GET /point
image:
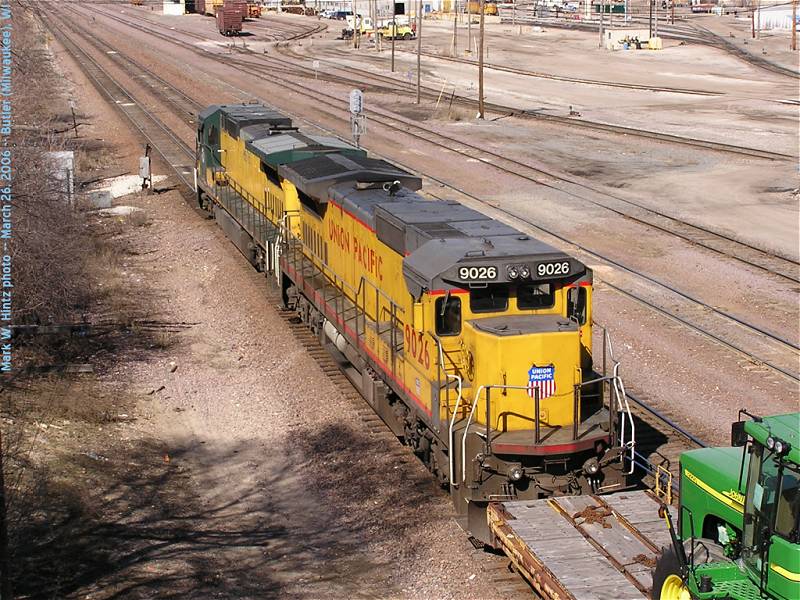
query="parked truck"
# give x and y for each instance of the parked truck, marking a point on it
(399, 31)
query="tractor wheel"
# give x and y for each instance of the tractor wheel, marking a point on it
(667, 582)
(406, 36)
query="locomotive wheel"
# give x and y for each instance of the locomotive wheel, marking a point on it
(667, 583)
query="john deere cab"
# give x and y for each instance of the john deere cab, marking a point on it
(737, 539)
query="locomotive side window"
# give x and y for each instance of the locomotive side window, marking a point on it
(535, 295)
(448, 315)
(492, 298)
(271, 173)
(213, 136)
(576, 304)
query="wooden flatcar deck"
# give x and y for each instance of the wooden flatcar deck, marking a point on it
(583, 547)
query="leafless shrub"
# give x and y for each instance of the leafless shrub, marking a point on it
(49, 243)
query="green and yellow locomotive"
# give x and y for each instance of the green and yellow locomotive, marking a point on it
(472, 340)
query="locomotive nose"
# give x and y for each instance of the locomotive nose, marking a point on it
(534, 360)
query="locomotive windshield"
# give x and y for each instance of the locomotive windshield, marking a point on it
(492, 298)
(448, 315)
(535, 295)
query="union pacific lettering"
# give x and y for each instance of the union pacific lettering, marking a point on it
(339, 236)
(370, 260)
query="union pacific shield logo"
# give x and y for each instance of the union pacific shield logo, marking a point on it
(543, 379)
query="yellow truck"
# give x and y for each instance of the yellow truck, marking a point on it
(399, 31)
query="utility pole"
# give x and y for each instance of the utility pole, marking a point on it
(758, 23)
(394, 33)
(655, 10)
(600, 27)
(375, 34)
(672, 12)
(794, 24)
(356, 26)
(419, 49)
(650, 28)
(514, 16)
(752, 21)
(480, 65)
(455, 28)
(469, 25)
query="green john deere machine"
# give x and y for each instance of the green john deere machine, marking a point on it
(738, 534)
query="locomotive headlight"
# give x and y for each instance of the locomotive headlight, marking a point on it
(591, 467)
(524, 272)
(770, 443)
(515, 473)
(513, 272)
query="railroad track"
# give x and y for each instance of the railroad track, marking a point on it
(554, 77)
(756, 346)
(781, 266)
(502, 109)
(172, 149)
(684, 30)
(391, 85)
(296, 31)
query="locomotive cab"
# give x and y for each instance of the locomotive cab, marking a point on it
(512, 317)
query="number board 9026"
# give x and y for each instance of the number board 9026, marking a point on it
(558, 268)
(488, 273)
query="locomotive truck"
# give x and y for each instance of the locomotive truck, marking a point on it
(470, 339)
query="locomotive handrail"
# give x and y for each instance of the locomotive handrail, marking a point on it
(460, 383)
(618, 389)
(472, 413)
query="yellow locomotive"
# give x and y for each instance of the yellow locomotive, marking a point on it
(472, 340)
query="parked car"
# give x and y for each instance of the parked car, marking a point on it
(341, 15)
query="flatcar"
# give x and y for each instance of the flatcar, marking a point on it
(470, 339)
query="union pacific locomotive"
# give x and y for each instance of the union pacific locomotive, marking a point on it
(471, 340)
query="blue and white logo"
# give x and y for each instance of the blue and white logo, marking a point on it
(543, 379)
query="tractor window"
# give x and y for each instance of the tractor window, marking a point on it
(448, 316)
(576, 304)
(492, 298)
(759, 508)
(787, 517)
(535, 295)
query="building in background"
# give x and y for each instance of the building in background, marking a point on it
(174, 7)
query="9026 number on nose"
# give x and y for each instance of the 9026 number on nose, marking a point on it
(477, 273)
(552, 269)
